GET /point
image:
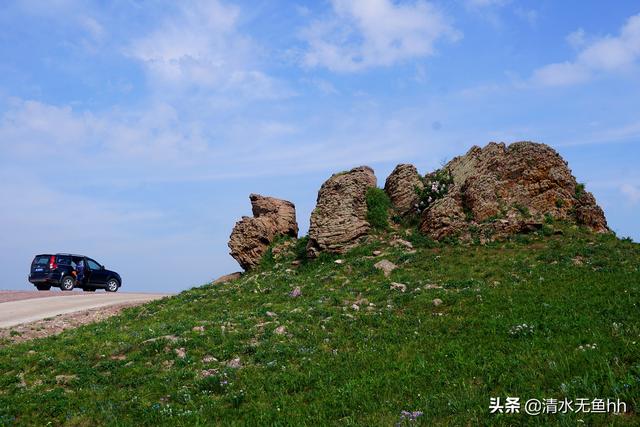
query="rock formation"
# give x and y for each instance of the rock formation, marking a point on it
(251, 236)
(401, 185)
(500, 190)
(340, 216)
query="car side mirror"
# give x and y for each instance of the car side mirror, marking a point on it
(102, 267)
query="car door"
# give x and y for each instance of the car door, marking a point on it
(98, 275)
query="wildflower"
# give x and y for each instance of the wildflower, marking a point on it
(521, 330)
(409, 416)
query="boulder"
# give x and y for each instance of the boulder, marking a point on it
(340, 216)
(401, 187)
(251, 236)
(500, 190)
(227, 278)
(281, 211)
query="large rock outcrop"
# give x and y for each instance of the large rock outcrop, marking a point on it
(251, 236)
(499, 190)
(401, 186)
(340, 216)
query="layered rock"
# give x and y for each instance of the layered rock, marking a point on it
(401, 187)
(281, 211)
(500, 189)
(251, 236)
(340, 216)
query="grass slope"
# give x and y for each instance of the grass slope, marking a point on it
(336, 365)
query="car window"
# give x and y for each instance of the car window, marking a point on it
(64, 260)
(93, 265)
(41, 260)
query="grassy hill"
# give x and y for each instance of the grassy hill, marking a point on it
(539, 316)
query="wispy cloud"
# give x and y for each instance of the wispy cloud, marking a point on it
(202, 47)
(607, 54)
(359, 34)
(631, 192)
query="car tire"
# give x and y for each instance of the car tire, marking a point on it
(43, 287)
(67, 283)
(89, 289)
(112, 285)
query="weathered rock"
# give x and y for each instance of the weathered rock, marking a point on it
(296, 292)
(251, 236)
(65, 379)
(340, 216)
(401, 242)
(386, 266)
(281, 211)
(500, 190)
(589, 213)
(398, 286)
(401, 186)
(227, 278)
(234, 363)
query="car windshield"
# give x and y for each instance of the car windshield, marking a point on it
(41, 260)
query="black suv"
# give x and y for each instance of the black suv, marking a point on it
(59, 270)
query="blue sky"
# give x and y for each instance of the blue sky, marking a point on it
(134, 131)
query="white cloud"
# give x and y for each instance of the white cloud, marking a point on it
(607, 54)
(632, 192)
(93, 27)
(576, 39)
(161, 144)
(362, 34)
(202, 47)
(530, 16)
(561, 74)
(485, 3)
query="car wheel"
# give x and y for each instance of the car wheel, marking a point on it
(112, 285)
(89, 289)
(43, 287)
(67, 283)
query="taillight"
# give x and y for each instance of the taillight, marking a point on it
(52, 263)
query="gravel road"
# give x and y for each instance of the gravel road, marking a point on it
(17, 309)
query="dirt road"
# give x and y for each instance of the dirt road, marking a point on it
(28, 310)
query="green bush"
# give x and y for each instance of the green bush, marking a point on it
(301, 248)
(378, 205)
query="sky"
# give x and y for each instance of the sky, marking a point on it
(134, 131)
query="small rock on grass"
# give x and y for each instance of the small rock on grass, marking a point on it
(376, 253)
(171, 338)
(181, 352)
(386, 266)
(270, 314)
(296, 292)
(209, 359)
(436, 302)
(402, 242)
(399, 286)
(280, 330)
(198, 329)
(234, 363)
(208, 373)
(65, 379)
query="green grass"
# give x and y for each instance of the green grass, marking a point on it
(341, 366)
(378, 205)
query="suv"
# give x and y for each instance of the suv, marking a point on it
(59, 270)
